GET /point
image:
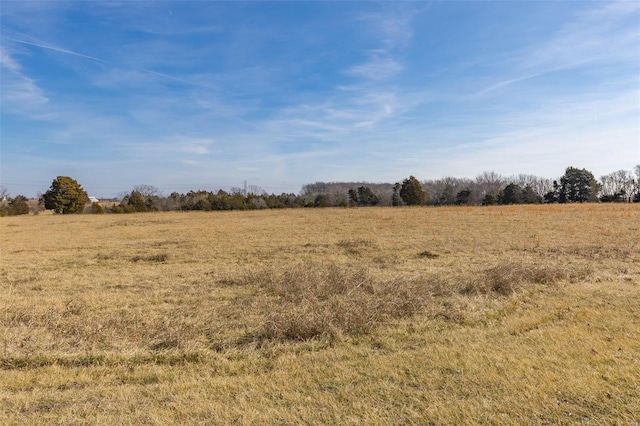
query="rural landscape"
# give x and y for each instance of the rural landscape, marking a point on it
(319, 212)
(523, 314)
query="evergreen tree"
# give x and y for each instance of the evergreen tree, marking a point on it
(489, 200)
(463, 198)
(554, 195)
(511, 194)
(412, 193)
(137, 202)
(578, 186)
(529, 195)
(65, 196)
(353, 197)
(366, 197)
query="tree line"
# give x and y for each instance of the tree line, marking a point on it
(66, 195)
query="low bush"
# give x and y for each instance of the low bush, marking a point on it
(15, 207)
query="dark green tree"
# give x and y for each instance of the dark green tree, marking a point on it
(578, 186)
(65, 196)
(463, 198)
(366, 197)
(353, 197)
(412, 193)
(553, 196)
(489, 200)
(529, 196)
(511, 194)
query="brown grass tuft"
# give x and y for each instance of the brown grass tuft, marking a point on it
(325, 300)
(505, 279)
(428, 254)
(355, 246)
(160, 257)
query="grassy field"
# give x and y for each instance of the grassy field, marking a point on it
(496, 315)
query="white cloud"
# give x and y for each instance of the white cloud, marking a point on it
(602, 32)
(598, 36)
(392, 25)
(20, 93)
(378, 67)
(196, 146)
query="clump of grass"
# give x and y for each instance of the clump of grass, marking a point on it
(101, 360)
(354, 242)
(428, 254)
(354, 245)
(508, 278)
(105, 256)
(160, 257)
(326, 300)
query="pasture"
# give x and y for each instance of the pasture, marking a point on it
(470, 315)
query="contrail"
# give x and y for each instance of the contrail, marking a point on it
(93, 58)
(190, 83)
(58, 49)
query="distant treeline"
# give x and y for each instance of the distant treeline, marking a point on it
(576, 185)
(488, 188)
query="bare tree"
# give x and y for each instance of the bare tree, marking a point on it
(620, 185)
(147, 190)
(256, 190)
(636, 183)
(539, 185)
(490, 182)
(445, 190)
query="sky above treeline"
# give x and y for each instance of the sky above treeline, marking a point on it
(206, 95)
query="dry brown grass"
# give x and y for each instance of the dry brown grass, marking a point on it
(498, 315)
(326, 300)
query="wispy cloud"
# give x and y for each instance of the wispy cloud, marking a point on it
(379, 67)
(20, 94)
(392, 24)
(599, 35)
(602, 32)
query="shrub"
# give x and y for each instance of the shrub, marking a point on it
(96, 208)
(15, 207)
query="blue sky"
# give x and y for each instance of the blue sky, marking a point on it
(205, 95)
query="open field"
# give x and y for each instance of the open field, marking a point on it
(479, 315)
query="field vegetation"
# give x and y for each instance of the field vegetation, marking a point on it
(525, 314)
